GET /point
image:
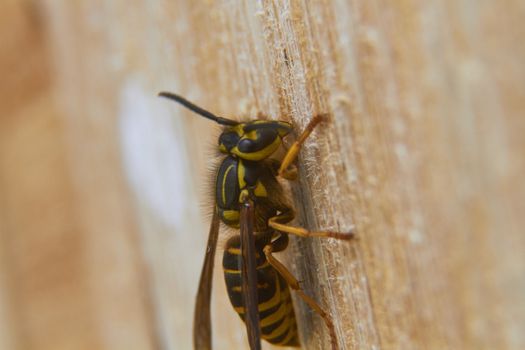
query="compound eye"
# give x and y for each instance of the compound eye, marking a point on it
(257, 140)
(227, 141)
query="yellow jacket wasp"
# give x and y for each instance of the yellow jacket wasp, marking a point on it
(249, 197)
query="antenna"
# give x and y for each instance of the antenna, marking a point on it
(197, 109)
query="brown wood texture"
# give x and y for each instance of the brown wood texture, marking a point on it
(68, 270)
(423, 153)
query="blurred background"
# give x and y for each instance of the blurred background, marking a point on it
(104, 207)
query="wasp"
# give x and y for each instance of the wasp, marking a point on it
(248, 197)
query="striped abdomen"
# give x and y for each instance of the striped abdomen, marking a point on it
(276, 312)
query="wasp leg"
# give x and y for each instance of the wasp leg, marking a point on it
(287, 171)
(279, 223)
(278, 245)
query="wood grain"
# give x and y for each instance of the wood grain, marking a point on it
(422, 153)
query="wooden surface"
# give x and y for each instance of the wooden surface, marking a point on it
(104, 189)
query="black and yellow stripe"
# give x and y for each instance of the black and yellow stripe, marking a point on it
(233, 176)
(276, 312)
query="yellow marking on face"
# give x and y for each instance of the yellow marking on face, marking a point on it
(224, 177)
(232, 272)
(239, 129)
(261, 154)
(250, 135)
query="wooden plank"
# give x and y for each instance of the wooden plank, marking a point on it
(422, 154)
(60, 287)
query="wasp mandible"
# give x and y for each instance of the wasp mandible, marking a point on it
(249, 197)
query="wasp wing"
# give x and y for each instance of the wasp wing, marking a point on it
(249, 275)
(201, 318)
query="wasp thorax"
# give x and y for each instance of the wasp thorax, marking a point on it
(255, 140)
